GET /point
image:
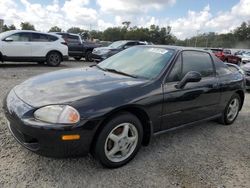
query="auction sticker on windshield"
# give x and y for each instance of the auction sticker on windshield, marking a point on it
(158, 50)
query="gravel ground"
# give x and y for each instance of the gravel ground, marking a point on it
(206, 155)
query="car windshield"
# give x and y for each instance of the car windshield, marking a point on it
(144, 62)
(4, 34)
(117, 44)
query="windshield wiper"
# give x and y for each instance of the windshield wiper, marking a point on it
(120, 72)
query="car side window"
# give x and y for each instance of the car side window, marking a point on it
(176, 72)
(197, 61)
(20, 37)
(37, 37)
(73, 39)
(129, 44)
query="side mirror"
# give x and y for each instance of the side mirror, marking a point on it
(8, 39)
(191, 76)
(125, 47)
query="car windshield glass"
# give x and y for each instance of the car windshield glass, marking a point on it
(117, 44)
(144, 62)
(4, 34)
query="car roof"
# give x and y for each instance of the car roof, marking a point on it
(176, 48)
(8, 33)
(61, 33)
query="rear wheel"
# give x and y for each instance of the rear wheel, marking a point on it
(54, 59)
(119, 141)
(231, 111)
(88, 56)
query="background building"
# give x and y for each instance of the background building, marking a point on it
(1, 25)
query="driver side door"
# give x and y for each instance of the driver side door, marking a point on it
(20, 46)
(197, 100)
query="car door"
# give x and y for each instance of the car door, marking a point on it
(75, 45)
(18, 46)
(197, 100)
(40, 45)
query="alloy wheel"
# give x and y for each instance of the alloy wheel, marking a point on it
(121, 142)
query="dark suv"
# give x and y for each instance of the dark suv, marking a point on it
(102, 53)
(77, 47)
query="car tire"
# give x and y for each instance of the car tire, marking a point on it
(54, 59)
(77, 58)
(231, 111)
(88, 56)
(119, 141)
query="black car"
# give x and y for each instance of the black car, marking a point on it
(101, 53)
(78, 48)
(113, 108)
(246, 69)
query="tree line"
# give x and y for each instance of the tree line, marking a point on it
(238, 38)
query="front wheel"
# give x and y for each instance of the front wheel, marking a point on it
(54, 59)
(88, 56)
(119, 141)
(231, 111)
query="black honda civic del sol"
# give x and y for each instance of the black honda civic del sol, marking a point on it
(113, 108)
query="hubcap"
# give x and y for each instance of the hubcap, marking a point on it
(54, 58)
(121, 142)
(233, 109)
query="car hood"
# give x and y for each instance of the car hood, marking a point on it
(66, 86)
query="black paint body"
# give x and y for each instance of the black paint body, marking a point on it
(97, 95)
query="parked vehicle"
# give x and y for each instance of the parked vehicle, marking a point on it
(113, 108)
(21, 45)
(77, 47)
(102, 53)
(226, 55)
(245, 56)
(237, 68)
(246, 69)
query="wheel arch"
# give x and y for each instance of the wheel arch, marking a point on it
(242, 97)
(55, 51)
(139, 112)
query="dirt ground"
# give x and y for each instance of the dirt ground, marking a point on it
(206, 155)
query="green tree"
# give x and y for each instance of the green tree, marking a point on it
(8, 28)
(75, 30)
(126, 24)
(55, 29)
(27, 26)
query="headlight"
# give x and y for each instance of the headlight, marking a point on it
(104, 52)
(62, 114)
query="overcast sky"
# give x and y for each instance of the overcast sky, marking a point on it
(185, 16)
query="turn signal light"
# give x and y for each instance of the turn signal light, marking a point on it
(71, 137)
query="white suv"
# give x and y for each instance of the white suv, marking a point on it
(21, 45)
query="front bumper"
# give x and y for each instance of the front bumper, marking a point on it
(47, 140)
(98, 58)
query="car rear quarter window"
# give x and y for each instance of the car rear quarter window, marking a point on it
(197, 61)
(52, 38)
